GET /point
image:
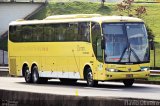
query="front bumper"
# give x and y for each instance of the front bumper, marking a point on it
(126, 75)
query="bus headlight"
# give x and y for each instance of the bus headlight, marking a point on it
(145, 69)
(111, 70)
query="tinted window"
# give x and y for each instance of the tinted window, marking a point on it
(25, 33)
(50, 32)
(37, 33)
(84, 31)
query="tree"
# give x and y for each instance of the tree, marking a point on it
(126, 6)
(140, 11)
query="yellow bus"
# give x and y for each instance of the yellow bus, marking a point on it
(75, 47)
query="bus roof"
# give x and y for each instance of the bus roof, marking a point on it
(78, 18)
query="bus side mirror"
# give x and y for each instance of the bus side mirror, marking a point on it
(151, 43)
(102, 44)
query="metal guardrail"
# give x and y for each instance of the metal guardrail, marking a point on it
(4, 71)
(4, 68)
(155, 72)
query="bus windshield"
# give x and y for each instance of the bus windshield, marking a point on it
(125, 43)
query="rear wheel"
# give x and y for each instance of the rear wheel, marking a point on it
(35, 76)
(89, 78)
(27, 75)
(128, 82)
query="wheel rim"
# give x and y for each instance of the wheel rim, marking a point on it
(90, 78)
(35, 76)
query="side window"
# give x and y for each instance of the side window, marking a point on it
(48, 33)
(96, 40)
(37, 33)
(18, 34)
(72, 32)
(56, 27)
(51, 32)
(21, 33)
(84, 31)
(65, 32)
(12, 33)
(61, 32)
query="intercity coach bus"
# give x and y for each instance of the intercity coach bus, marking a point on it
(75, 47)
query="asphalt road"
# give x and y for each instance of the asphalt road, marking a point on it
(105, 89)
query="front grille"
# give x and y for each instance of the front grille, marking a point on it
(129, 71)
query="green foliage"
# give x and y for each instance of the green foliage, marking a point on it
(126, 6)
(74, 8)
(154, 78)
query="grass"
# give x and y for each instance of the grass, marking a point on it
(53, 8)
(73, 8)
(67, 0)
(145, 0)
(157, 56)
(154, 78)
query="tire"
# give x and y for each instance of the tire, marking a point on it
(36, 78)
(128, 82)
(35, 75)
(27, 75)
(89, 78)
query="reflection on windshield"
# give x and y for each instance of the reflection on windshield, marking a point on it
(126, 42)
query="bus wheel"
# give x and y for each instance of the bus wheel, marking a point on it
(128, 82)
(89, 78)
(35, 75)
(36, 78)
(27, 75)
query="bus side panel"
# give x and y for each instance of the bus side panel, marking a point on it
(61, 62)
(15, 67)
(87, 58)
(12, 66)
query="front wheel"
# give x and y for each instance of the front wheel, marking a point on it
(128, 82)
(89, 78)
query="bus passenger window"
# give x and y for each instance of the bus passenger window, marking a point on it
(12, 32)
(26, 33)
(48, 33)
(84, 31)
(71, 32)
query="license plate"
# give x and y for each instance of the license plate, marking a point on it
(129, 76)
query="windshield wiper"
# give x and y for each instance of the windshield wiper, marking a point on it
(135, 55)
(131, 50)
(123, 54)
